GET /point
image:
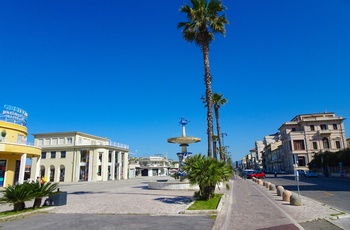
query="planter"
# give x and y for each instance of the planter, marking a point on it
(58, 199)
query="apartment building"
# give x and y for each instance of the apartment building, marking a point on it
(14, 148)
(154, 166)
(77, 156)
(308, 134)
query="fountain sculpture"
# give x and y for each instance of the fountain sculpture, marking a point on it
(184, 141)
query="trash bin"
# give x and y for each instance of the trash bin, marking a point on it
(58, 199)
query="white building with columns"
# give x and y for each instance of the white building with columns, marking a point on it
(77, 156)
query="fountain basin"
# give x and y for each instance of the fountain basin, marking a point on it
(184, 140)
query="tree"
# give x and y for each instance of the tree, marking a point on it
(218, 101)
(207, 172)
(204, 21)
(16, 195)
(42, 190)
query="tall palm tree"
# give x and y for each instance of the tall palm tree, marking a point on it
(218, 101)
(204, 21)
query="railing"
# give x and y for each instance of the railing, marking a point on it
(119, 145)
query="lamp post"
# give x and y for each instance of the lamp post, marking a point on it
(222, 137)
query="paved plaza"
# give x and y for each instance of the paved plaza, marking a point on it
(129, 204)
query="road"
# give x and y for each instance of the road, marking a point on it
(334, 192)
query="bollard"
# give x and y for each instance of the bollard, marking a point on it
(280, 190)
(295, 200)
(268, 184)
(260, 181)
(286, 195)
(272, 187)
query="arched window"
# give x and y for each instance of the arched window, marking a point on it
(52, 173)
(62, 172)
(42, 171)
(325, 143)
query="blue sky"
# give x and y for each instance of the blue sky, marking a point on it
(121, 70)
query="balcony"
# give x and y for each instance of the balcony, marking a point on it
(324, 132)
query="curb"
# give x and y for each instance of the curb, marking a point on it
(25, 213)
(212, 211)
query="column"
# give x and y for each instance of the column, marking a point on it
(35, 168)
(113, 165)
(77, 166)
(125, 165)
(22, 168)
(104, 169)
(119, 163)
(91, 171)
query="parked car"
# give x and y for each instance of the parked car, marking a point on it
(247, 171)
(301, 172)
(256, 175)
(310, 173)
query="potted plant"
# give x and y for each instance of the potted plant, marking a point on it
(3, 134)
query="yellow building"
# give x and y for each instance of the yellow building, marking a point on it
(14, 149)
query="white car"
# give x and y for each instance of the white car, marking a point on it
(311, 174)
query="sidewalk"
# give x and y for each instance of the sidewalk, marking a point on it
(248, 205)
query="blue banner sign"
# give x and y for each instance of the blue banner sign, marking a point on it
(14, 114)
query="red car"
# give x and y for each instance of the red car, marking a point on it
(256, 175)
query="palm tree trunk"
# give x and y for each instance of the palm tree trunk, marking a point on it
(208, 97)
(19, 206)
(216, 109)
(37, 203)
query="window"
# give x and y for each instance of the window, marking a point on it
(335, 126)
(301, 161)
(53, 154)
(325, 143)
(314, 145)
(293, 129)
(69, 140)
(61, 141)
(323, 127)
(83, 156)
(43, 155)
(40, 142)
(63, 154)
(54, 141)
(47, 142)
(312, 127)
(337, 143)
(299, 145)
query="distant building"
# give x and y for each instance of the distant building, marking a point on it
(77, 156)
(14, 148)
(154, 166)
(308, 134)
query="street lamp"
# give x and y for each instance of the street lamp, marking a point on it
(222, 137)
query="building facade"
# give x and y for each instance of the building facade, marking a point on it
(77, 156)
(14, 148)
(308, 134)
(154, 166)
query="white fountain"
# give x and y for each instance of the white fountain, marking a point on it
(184, 142)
